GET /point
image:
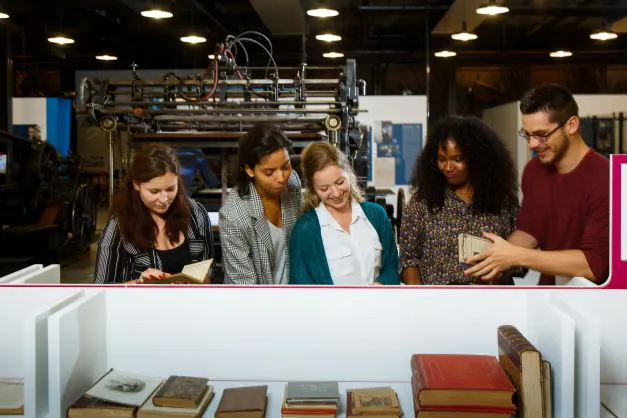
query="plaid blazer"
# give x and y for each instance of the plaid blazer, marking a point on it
(247, 252)
(118, 260)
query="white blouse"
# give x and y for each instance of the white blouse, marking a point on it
(354, 257)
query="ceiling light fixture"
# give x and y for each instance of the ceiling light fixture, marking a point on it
(328, 37)
(561, 54)
(445, 54)
(193, 39)
(60, 40)
(603, 35)
(322, 12)
(157, 14)
(492, 9)
(464, 35)
(4, 15)
(106, 57)
(333, 55)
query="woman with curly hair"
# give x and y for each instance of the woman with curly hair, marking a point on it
(464, 182)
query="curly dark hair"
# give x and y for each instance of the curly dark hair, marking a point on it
(491, 170)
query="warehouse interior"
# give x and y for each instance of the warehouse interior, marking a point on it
(399, 61)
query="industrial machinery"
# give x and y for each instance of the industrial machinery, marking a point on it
(46, 206)
(214, 108)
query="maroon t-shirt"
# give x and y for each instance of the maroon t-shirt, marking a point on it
(569, 211)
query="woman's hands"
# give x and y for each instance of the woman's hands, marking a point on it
(151, 274)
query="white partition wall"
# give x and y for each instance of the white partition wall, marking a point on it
(77, 338)
(552, 332)
(20, 273)
(587, 355)
(48, 275)
(21, 347)
(364, 335)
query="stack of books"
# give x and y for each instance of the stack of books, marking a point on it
(379, 402)
(310, 399)
(121, 394)
(460, 385)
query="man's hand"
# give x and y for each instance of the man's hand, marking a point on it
(491, 263)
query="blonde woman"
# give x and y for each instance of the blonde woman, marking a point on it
(340, 239)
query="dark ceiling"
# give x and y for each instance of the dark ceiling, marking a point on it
(385, 36)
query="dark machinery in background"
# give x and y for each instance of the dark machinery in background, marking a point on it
(213, 109)
(46, 207)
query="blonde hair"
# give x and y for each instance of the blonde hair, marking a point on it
(318, 156)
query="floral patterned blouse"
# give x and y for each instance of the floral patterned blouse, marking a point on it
(428, 241)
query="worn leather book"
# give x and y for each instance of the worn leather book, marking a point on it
(522, 363)
(150, 410)
(181, 392)
(243, 402)
(465, 381)
(88, 407)
(196, 273)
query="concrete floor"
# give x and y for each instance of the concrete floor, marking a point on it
(80, 268)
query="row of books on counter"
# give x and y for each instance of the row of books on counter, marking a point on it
(517, 382)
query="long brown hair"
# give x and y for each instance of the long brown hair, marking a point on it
(133, 217)
(318, 156)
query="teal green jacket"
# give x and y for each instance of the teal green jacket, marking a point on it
(308, 262)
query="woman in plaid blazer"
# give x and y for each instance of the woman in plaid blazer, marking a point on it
(257, 218)
(154, 228)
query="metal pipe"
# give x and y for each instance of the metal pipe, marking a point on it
(261, 82)
(220, 111)
(221, 105)
(237, 119)
(111, 154)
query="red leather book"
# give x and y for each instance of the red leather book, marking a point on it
(461, 380)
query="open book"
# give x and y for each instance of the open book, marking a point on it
(195, 273)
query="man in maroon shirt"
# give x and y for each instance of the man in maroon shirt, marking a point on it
(563, 222)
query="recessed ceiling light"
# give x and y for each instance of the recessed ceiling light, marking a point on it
(106, 57)
(492, 9)
(60, 40)
(603, 35)
(333, 55)
(4, 15)
(322, 12)
(193, 39)
(157, 14)
(328, 37)
(445, 54)
(560, 54)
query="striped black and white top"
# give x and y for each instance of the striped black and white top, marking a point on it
(119, 261)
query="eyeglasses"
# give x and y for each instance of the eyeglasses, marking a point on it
(538, 137)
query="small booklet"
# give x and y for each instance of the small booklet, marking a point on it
(470, 245)
(195, 273)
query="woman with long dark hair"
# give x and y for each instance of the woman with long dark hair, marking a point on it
(464, 182)
(257, 218)
(154, 228)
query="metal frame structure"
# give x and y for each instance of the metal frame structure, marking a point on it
(215, 108)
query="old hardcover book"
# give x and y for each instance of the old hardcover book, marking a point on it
(470, 245)
(461, 380)
(124, 388)
(312, 393)
(243, 402)
(435, 413)
(11, 396)
(88, 407)
(375, 400)
(196, 273)
(522, 363)
(150, 410)
(181, 392)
